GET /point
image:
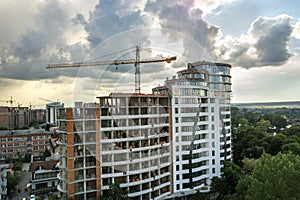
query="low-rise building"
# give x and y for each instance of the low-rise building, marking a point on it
(21, 142)
(44, 176)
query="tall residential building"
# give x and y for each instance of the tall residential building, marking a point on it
(37, 115)
(14, 117)
(79, 142)
(200, 102)
(52, 112)
(157, 146)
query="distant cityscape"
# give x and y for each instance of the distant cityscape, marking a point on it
(283, 104)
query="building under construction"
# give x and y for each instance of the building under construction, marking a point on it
(156, 146)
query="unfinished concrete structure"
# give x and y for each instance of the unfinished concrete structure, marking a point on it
(156, 146)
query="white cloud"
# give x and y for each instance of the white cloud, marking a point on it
(209, 6)
(296, 30)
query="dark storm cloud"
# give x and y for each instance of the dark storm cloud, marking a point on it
(27, 57)
(273, 37)
(199, 36)
(266, 44)
(111, 17)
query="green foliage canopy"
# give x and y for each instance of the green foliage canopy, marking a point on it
(275, 177)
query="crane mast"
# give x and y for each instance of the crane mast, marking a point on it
(137, 61)
(137, 71)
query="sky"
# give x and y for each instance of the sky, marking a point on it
(259, 38)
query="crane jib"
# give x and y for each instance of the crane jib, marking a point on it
(115, 62)
(136, 63)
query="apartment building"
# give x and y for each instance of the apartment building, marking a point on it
(20, 142)
(157, 146)
(79, 143)
(135, 144)
(52, 110)
(130, 139)
(14, 117)
(200, 105)
(37, 115)
(3, 181)
(18, 117)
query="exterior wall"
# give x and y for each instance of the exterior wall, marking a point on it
(44, 180)
(192, 123)
(220, 86)
(135, 144)
(4, 117)
(37, 115)
(79, 162)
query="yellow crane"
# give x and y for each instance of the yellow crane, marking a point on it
(135, 61)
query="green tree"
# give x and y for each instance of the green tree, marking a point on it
(226, 184)
(27, 157)
(3, 128)
(275, 177)
(199, 196)
(276, 120)
(293, 130)
(13, 179)
(248, 165)
(276, 144)
(294, 147)
(247, 141)
(18, 165)
(115, 192)
(263, 125)
(54, 197)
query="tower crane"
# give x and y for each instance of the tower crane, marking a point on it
(48, 100)
(137, 61)
(11, 101)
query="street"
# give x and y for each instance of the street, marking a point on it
(24, 180)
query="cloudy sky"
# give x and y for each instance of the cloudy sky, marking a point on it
(260, 39)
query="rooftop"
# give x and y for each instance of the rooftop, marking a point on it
(8, 133)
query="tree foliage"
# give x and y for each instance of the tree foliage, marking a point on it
(256, 133)
(268, 155)
(269, 178)
(115, 192)
(226, 184)
(13, 179)
(275, 177)
(54, 197)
